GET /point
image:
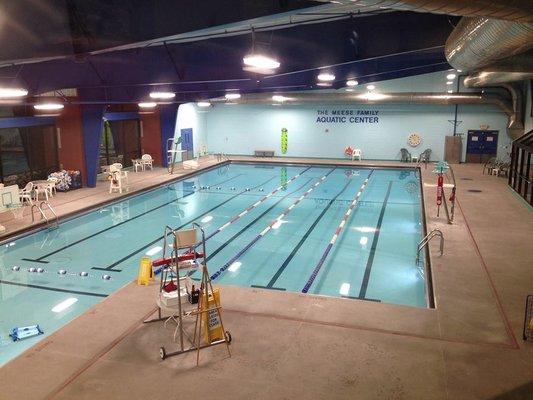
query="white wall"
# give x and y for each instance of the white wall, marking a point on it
(240, 129)
(190, 117)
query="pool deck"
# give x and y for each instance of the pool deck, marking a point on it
(290, 345)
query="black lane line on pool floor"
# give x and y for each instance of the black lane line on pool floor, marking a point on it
(214, 253)
(270, 285)
(111, 267)
(40, 259)
(370, 261)
(52, 289)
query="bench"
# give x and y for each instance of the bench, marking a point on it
(264, 153)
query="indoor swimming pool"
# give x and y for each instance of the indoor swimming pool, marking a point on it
(278, 227)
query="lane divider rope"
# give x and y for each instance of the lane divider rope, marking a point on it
(269, 227)
(257, 203)
(336, 235)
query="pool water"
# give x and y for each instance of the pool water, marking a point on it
(372, 259)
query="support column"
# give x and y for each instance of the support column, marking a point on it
(168, 114)
(92, 125)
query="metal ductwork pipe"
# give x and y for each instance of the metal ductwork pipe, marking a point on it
(494, 78)
(500, 79)
(477, 42)
(509, 10)
(298, 98)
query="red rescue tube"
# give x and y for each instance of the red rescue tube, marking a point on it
(181, 257)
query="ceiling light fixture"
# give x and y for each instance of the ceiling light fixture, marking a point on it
(450, 91)
(48, 106)
(370, 87)
(147, 104)
(260, 61)
(280, 98)
(323, 84)
(450, 76)
(326, 77)
(449, 83)
(162, 95)
(232, 96)
(351, 82)
(13, 92)
(203, 104)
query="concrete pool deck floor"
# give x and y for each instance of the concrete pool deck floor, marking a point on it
(290, 345)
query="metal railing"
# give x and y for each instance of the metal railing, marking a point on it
(520, 170)
(40, 207)
(425, 241)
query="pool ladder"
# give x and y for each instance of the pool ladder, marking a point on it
(425, 241)
(40, 207)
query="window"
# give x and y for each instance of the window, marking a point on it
(121, 142)
(27, 154)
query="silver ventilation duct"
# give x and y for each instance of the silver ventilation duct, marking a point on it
(298, 98)
(494, 78)
(477, 42)
(510, 10)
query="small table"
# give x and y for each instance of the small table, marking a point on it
(414, 158)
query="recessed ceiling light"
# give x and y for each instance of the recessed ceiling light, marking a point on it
(13, 92)
(450, 76)
(260, 61)
(48, 106)
(325, 77)
(449, 83)
(162, 95)
(351, 82)
(147, 104)
(232, 96)
(203, 104)
(370, 87)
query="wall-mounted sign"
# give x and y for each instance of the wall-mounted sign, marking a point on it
(346, 116)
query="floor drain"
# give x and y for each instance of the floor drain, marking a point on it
(475, 190)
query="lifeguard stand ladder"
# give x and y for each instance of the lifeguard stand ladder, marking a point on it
(172, 151)
(182, 240)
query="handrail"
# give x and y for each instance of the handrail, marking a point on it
(43, 214)
(424, 242)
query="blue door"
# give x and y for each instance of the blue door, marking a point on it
(186, 143)
(481, 146)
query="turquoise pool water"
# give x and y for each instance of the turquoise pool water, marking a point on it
(373, 257)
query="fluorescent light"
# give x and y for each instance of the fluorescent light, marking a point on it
(325, 77)
(206, 219)
(277, 97)
(153, 251)
(449, 83)
(370, 87)
(450, 76)
(323, 84)
(203, 104)
(351, 82)
(64, 304)
(363, 241)
(147, 104)
(260, 61)
(162, 95)
(345, 289)
(450, 91)
(48, 106)
(13, 92)
(235, 266)
(232, 96)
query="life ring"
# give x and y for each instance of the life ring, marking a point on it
(348, 151)
(414, 139)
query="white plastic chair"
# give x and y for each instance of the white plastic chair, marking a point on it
(147, 161)
(117, 176)
(357, 153)
(26, 194)
(52, 186)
